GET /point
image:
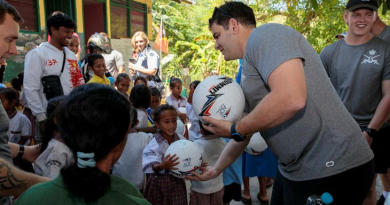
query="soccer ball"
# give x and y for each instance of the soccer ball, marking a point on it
(219, 97)
(180, 128)
(190, 157)
(257, 145)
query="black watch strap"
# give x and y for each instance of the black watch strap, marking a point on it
(235, 135)
(21, 152)
(371, 132)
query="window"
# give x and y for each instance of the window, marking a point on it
(138, 17)
(66, 6)
(127, 17)
(28, 10)
(119, 22)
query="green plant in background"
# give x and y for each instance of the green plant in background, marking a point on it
(191, 43)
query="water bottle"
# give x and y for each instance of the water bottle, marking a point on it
(325, 198)
(387, 202)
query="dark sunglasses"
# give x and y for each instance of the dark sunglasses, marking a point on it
(223, 11)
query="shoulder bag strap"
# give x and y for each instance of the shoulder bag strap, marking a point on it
(63, 63)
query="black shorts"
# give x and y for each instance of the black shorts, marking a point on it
(232, 191)
(380, 146)
(347, 188)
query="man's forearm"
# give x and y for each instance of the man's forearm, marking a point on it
(121, 69)
(230, 153)
(382, 113)
(15, 181)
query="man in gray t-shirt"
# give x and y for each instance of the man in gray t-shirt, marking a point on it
(359, 69)
(295, 107)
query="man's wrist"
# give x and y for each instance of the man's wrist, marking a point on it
(371, 132)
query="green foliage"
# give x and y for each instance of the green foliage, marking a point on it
(190, 40)
(192, 44)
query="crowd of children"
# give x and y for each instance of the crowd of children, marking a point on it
(154, 126)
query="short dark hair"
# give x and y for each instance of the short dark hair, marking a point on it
(140, 96)
(173, 81)
(155, 92)
(120, 77)
(157, 112)
(11, 10)
(59, 20)
(10, 94)
(143, 79)
(134, 117)
(50, 126)
(92, 57)
(195, 83)
(93, 118)
(232, 9)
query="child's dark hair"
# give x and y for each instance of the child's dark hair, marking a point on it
(143, 79)
(59, 20)
(50, 126)
(134, 117)
(173, 81)
(93, 118)
(92, 57)
(120, 77)
(10, 94)
(157, 112)
(140, 96)
(17, 82)
(195, 83)
(155, 92)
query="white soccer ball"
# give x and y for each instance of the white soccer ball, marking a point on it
(190, 157)
(180, 128)
(219, 97)
(257, 145)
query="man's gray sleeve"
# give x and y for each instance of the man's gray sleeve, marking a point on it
(271, 45)
(386, 69)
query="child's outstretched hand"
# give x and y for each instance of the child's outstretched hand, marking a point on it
(169, 162)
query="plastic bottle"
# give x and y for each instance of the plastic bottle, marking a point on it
(325, 198)
(387, 202)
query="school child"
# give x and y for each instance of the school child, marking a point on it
(129, 165)
(17, 84)
(141, 80)
(97, 65)
(175, 99)
(140, 97)
(162, 187)
(194, 130)
(54, 153)
(122, 83)
(74, 45)
(155, 102)
(232, 180)
(19, 125)
(208, 192)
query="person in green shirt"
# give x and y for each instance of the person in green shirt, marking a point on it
(96, 135)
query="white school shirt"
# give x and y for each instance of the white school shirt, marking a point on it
(194, 130)
(19, 125)
(142, 117)
(50, 162)
(44, 61)
(154, 152)
(171, 100)
(211, 150)
(129, 165)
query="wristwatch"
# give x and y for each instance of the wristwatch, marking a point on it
(235, 135)
(371, 132)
